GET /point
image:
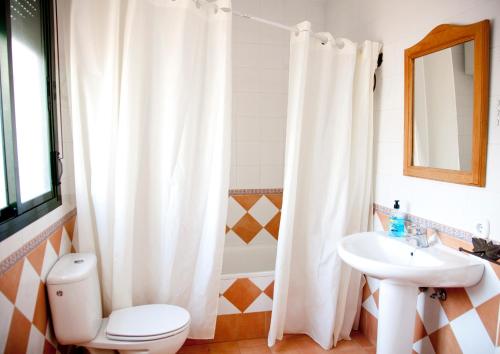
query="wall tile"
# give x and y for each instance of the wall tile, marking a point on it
(25, 325)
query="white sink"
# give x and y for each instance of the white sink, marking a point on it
(402, 269)
(385, 257)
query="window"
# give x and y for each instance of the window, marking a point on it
(29, 165)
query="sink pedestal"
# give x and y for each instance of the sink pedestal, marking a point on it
(396, 318)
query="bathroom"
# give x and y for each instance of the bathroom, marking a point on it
(220, 176)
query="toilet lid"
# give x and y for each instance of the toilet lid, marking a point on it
(146, 321)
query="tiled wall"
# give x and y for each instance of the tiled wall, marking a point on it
(466, 322)
(253, 217)
(399, 25)
(25, 325)
(260, 87)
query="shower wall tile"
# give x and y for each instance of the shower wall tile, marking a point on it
(253, 217)
(25, 325)
(260, 88)
(466, 322)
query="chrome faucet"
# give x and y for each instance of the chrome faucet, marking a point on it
(417, 235)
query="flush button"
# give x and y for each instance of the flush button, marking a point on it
(78, 261)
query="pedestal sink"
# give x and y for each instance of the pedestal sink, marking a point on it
(402, 269)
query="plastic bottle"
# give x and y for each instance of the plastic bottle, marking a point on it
(397, 221)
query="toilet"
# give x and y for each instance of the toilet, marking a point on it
(75, 304)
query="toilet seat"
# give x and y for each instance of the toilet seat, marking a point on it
(146, 323)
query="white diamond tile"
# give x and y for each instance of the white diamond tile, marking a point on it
(371, 306)
(263, 238)
(36, 342)
(471, 334)
(232, 239)
(488, 287)
(423, 346)
(28, 290)
(263, 211)
(234, 212)
(431, 313)
(49, 259)
(261, 303)
(6, 310)
(225, 284)
(262, 282)
(226, 307)
(65, 243)
(373, 284)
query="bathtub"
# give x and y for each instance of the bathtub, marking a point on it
(248, 259)
(247, 281)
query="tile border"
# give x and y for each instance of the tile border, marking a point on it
(255, 191)
(429, 224)
(29, 246)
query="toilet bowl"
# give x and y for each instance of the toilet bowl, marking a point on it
(75, 303)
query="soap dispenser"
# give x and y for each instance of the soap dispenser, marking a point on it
(397, 221)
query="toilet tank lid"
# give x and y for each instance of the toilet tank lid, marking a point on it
(72, 268)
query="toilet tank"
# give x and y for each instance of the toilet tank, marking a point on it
(75, 298)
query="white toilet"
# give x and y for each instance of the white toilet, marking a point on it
(75, 304)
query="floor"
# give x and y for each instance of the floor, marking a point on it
(291, 344)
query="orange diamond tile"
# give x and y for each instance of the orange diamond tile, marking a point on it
(488, 313)
(40, 316)
(247, 228)
(70, 227)
(366, 292)
(55, 240)
(9, 281)
(247, 200)
(36, 257)
(273, 226)
(17, 340)
(276, 199)
(420, 331)
(269, 291)
(457, 303)
(242, 293)
(227, 229)
(384, 220)
(443, 341)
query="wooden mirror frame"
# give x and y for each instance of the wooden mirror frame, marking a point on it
(442, 37)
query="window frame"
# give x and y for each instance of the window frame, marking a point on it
(18, 215)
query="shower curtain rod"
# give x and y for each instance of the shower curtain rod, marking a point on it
(323, 38)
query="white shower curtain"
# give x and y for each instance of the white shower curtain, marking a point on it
(150, 104)
(327, 187)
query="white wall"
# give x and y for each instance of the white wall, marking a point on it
(399, 24)
(260, 86)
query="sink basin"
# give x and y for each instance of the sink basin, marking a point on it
(385, 257)
(402, 269)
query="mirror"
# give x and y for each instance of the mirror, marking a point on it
(446, 96)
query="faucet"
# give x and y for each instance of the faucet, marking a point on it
(418, 235)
